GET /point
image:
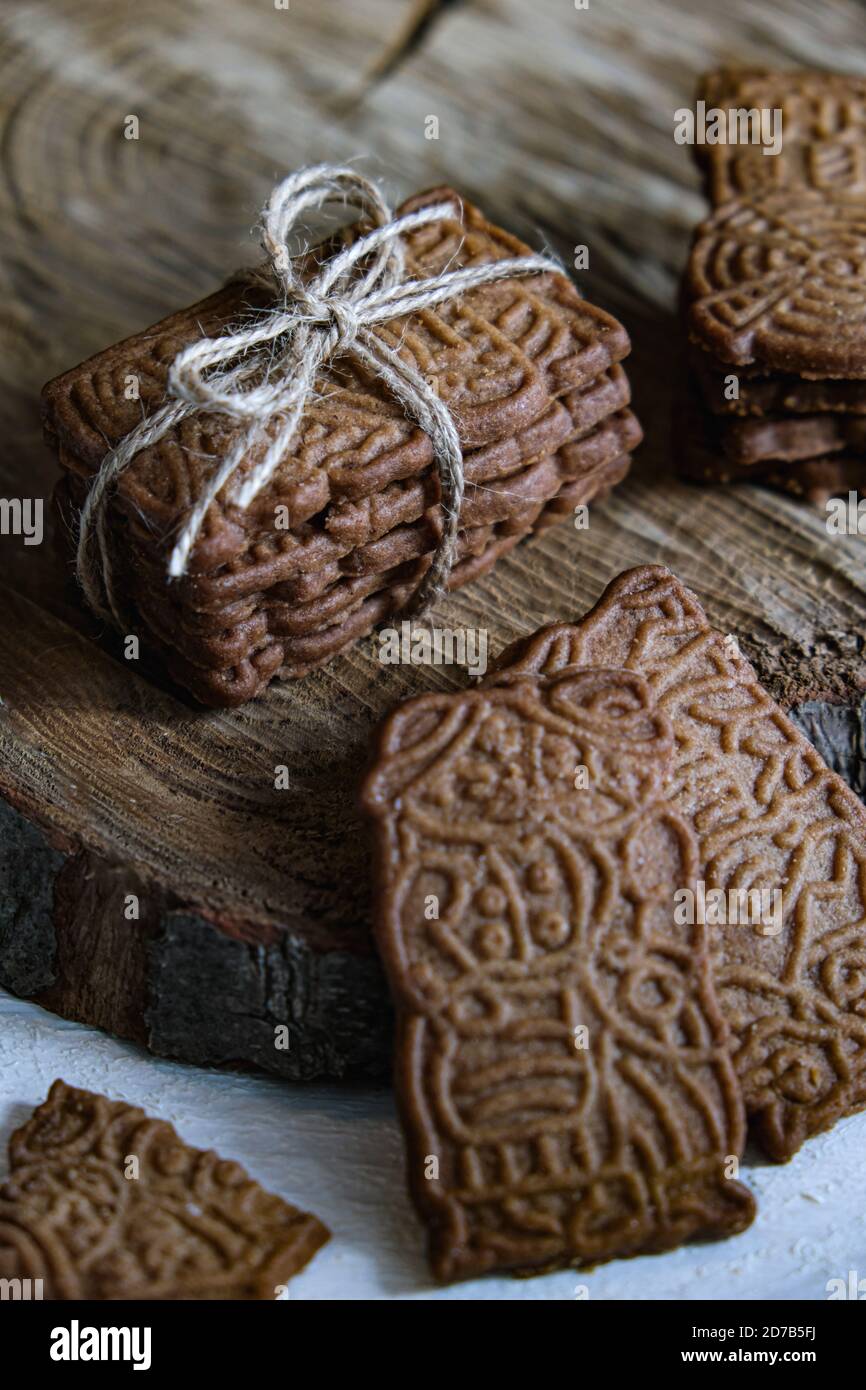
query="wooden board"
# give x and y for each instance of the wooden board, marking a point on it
(253, 902)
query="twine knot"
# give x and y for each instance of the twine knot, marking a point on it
(262, 373)
(337, 317)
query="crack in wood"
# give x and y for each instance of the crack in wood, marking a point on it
(334, 1005)
(839, 734)
(413, 33)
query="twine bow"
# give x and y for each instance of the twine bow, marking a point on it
(264, 372)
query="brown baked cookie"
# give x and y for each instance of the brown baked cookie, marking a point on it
(817, 480)
(497, 357)
(823, 133)
(103, 1202)
(528, 370)
(561, 1069)
(292, 657)
(813, 481)
(376, 538)
(356, 524)
(768, 814)
(591, 418)
(700, 454)
(759, 394)
(754, 442)
(326, 591)
(593, 487)
(780, 284)
(576, 414)
(343, 528)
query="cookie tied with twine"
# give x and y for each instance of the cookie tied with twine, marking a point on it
(262, 374)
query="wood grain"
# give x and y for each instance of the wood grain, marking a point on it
(559, 122)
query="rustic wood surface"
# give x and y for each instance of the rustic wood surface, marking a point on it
(559, 122)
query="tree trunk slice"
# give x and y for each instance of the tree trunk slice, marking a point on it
(253, 901)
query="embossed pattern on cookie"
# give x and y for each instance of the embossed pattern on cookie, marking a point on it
(478, 550)
(561, 1067)
(772, 393)
(782, 284)
(529, 372)
(498, 356)
(823, 133)
(103, 1202)
(769, 814)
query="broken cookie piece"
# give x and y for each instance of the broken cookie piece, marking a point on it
(103, 1202)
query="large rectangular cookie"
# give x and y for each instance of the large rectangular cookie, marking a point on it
(103, 1202)
(561, 1062)
(768, 814)
(823, 133)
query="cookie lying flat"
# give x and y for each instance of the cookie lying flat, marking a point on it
(781, 393)
(305, 491)
(226, 622)
(823, 128)
(188, 1225)
(778, 284)
(332, 558)
(478, 550)
(769, 814)
(324, 552)
(524, 366)
(817, 480)
(561, 1066)
(752, 443)
(813, 481)
(700, 454)
(230, 662)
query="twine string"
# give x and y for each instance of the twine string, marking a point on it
(262, 374)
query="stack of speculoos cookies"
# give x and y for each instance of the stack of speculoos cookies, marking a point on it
(774, 294)
(342, 535)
